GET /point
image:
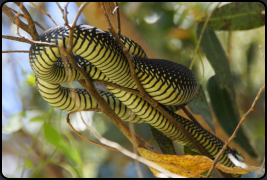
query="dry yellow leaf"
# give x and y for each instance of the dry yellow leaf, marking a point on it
(187, 165)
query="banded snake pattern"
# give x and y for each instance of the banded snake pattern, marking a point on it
(96, 51)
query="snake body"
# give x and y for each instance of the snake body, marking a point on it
(97, 52)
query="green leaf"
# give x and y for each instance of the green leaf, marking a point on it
(163, 141)
(227, 114)
(199, 105)
(37, 119)
(72, 170)
(216, 56)
(55, 138)
(52, 135)
(237, 16)
(30, 80)
(259, 141)
(29, 164)
(74, 151)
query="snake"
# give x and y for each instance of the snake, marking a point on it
(99, 55)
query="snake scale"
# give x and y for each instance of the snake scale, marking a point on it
(97, 52)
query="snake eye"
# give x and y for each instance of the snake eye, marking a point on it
(237, 155)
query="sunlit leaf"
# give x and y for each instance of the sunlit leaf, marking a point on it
(30, 80)
(37, 119)
(188, 165)
(29, 164)
(52, 135)
(237, 16)
(73, 149)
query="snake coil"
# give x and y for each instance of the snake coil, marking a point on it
(97, 52)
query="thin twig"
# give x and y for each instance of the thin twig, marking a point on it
(27, 40)
(117, 9)
(236, 130)
(101, 145)
(78, 13)
(147, 143)
(44, 12)
(17, 18)
(62, 10)
(13, 10)
(16, 51)
(65, 14)
(130, 154)
(38, 24)
(206, 10)
(110, 8)
(9, 12)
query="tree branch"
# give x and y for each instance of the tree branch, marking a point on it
(105, 108)
(117, 9)
(18, 51)
(44, 12)
(31, 25)
(27, 40)
(124, 50)
(132, 155)
(145, 96)
(7, 10)
(101, 145)
(236, 130)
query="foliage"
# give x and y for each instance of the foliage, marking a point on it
(39, 136)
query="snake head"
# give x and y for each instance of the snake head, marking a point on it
(237, 155)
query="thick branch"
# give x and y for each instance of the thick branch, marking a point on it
(12, 17)
(32, 29)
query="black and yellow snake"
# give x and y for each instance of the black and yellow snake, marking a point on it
(98, 53)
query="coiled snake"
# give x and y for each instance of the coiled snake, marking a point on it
(98, 53)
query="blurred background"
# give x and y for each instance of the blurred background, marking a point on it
(165, 30)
